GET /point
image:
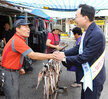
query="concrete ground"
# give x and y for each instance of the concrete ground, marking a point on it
(28, 82)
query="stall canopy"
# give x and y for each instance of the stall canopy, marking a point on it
(6, 10)
(40, 13)
(59, 8)
(59, 14)
(66, 5)
(49, 14)
(102, 13)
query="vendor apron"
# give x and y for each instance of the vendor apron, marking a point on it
(51, 50)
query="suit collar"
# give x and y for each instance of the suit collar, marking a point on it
(90, 28)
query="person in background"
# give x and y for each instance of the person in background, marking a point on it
(12, 58)
(77, 34)
(53, 39)
(69, 34)
(89, 55)
(7, 33)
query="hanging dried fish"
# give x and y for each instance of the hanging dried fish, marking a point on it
(50, 76)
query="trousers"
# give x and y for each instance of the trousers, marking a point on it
(95, 94)
(11, 84)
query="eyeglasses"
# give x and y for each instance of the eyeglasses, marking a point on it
(78, 16)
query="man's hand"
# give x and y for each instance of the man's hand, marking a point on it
(59, 56)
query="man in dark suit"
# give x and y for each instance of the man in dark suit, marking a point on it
(89, 55)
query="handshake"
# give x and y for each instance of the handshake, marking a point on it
(58, 56)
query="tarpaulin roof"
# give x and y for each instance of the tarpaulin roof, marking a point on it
(67, 5)
(102, 13)
(60, 8)
(59, 14)
(8, 10)
(39, 13)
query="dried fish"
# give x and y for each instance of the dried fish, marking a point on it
(50, 75)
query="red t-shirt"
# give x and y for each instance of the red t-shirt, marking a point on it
(51, 37)
(14, 52)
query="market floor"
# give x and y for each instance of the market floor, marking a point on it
(28, 83)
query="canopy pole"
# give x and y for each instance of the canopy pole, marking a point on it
(26, 16)
(26, 21)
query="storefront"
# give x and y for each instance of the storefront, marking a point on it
(100, 23)
(7, 15)
(39, 26)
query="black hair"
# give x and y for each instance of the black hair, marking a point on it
(6, 23)
(88, 11)
(53, 30)
(77, 30)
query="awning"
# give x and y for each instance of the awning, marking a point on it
(59, 14)
(40, 13)
(102, 13)
(6, 10)
(60, 8)
(62, 5)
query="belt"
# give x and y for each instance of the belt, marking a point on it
(11, 70)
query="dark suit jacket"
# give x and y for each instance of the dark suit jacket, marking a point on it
(93, 47)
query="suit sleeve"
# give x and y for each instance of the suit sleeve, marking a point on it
(92, 47)
(72, 51)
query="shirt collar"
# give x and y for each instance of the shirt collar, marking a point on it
(79, 38)
(20, 37)
(91, 26)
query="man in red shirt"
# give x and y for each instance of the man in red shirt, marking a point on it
(12, 58)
